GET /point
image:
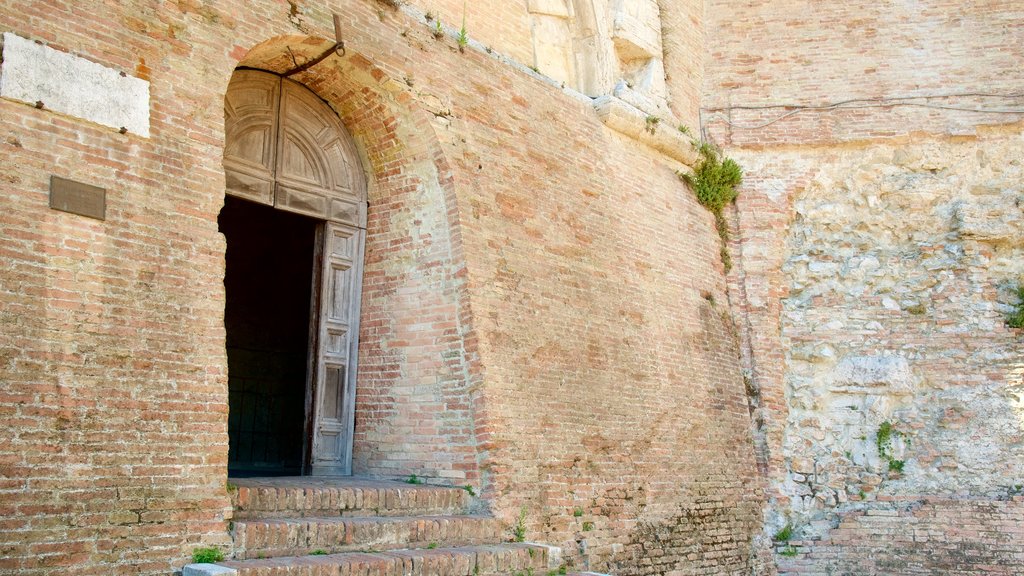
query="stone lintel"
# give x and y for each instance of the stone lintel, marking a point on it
(662, 135)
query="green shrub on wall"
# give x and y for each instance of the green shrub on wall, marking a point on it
(714, 181)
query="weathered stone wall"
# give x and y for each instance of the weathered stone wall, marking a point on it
(878, 250)
(544, 310)
(897, 266)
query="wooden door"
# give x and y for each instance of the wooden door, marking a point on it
(285, 147)
(337, 348)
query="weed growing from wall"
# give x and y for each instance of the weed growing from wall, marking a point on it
(1016, 318)
(714, 181)
(519, 530)
(883, 439)
(651, 124)
(784, 534)
(207, 555)
(463, 38)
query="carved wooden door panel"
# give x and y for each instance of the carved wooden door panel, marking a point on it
(286, 148)
(250, 147)
(337, 348)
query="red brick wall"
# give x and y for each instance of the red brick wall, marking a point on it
(544, 310)
(927, 536)
(793, 53)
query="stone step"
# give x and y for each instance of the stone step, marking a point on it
(502, 559)
(299, 497)
(275, 537)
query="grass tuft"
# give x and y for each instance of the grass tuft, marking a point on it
(207, 555)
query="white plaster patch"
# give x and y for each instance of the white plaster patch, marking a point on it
(72, 85)
(867, 372)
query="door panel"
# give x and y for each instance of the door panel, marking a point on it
(250, 150)
(337, 349)
(315, 160)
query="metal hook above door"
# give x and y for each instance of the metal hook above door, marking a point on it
(338, 48)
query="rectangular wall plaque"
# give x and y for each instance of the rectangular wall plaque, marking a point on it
(78, 198)
(72, 85)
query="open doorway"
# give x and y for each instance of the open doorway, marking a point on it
(270, 264)
(295, 222)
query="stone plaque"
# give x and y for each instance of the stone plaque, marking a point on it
(78, 198)
(72, 85)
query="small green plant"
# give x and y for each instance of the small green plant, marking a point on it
(519, 530)
(469, 489)
(1016, 318)
(685, 130)
(588, 526)
(535, 69)
(651, 124)
(207, 555)
(463, 38)
(318, 552)
(788, 552)
(883, 440)
(432, 546)
(230, 486)
(577, 512)
(413, 479)
(438, 29)
(862, 495)
(784, 533)
(714, 181)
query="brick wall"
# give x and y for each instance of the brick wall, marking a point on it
(791, 53)
(927, 536)
(544, 311)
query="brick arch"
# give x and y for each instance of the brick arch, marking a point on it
(417, 360)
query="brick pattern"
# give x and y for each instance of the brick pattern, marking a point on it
(268, 538)
(480, 560)
(303, 525)
(785, 53)
(927, 536)
(327, 497)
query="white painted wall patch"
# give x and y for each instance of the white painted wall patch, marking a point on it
(72, 85)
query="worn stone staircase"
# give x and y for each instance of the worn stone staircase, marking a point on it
(308, 526)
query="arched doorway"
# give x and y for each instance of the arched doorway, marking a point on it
(295, 221)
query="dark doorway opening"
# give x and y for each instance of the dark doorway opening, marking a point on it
(270, 256)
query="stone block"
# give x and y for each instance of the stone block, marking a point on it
(207, 570)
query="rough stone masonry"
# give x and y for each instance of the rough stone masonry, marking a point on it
(545, 316)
